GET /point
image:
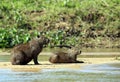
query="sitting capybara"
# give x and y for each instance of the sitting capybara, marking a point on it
(65, 57)
(24, 53)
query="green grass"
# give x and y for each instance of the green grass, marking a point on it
(78, 21)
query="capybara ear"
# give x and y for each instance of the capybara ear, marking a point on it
(38, 36)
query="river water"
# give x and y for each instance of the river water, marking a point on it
(91, 73)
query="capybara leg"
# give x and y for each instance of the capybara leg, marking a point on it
(35, 60)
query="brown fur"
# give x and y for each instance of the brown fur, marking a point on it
(24, 53)
(65, 57)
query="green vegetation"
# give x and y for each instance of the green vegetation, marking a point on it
(88, 23)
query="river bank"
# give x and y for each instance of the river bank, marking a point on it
(47, 65)
(89, 24)
(89, 56)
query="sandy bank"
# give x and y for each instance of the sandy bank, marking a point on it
(47, 65)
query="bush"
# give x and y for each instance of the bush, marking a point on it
(9, 37)
(63, 21)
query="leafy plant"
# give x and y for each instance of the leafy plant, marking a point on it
(89, 19)
(11, 36)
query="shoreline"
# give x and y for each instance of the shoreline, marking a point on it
(83, 53)
(90, 57)
(47, 65)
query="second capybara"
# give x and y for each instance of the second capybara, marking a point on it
(66, 57)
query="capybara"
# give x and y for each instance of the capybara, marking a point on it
(65, 57)
(24, 53)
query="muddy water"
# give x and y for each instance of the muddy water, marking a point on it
(92, 73)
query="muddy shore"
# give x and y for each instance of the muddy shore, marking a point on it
(47, 65)
(89, 58)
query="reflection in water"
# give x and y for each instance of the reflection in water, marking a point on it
(91, 73)
(112, 68)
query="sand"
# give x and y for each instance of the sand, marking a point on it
(47, 65)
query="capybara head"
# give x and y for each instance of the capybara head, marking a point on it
(43, 40)
(78, 52)
(74, 51)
